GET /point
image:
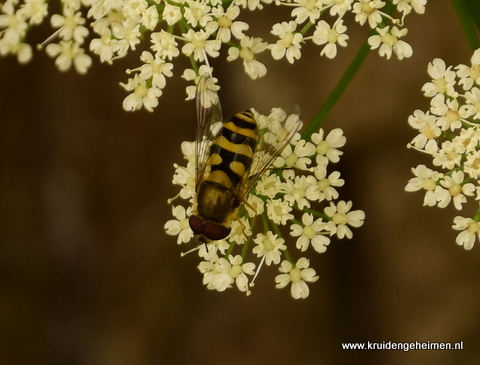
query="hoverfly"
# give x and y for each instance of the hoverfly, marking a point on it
(230, 156)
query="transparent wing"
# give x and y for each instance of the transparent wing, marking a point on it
(274, 134)
(209, 121)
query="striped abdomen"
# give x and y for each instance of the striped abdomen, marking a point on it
(230, 158)
(232, 150)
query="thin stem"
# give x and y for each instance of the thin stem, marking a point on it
(337, 92)
(342, 85)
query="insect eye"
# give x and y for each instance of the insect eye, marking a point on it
(215, 232)
(196, 224)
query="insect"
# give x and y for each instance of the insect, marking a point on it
(230, 156)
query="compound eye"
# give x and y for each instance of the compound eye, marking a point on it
(196, 224)
(215, 232)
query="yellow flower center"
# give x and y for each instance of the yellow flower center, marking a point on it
(323, 147)
(427, 131)
(234, 271)
(224, 22)
(247, 54)
(141, 91)
(309, 232)
(287, 40)
(295, 275)
(291, 160)
(340, 218)
(429, 184)
(455, 189)
(473, 227)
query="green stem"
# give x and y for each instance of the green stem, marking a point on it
(342, 85)
(337, 92)
(465, 12)
(476, 217)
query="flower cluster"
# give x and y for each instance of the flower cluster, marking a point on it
(297, 193)
(197, 29)
(450, 133)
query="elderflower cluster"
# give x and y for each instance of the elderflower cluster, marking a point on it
(450, 133)
(197, 29)
(297, 195)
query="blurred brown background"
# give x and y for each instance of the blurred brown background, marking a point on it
(88, 276)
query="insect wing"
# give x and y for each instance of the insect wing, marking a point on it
(209, 121)
(274, 135)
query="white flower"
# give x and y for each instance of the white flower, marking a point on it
(250, 46)
(290, 41)
(255, 205)
(310, 232)
(241, 231)
(298, 192)
(270, 246)
(469, 228)
(447, 112)
(103, 46)
(71, 25)
(155, 68)
(142, 94)
(128, 33)
(328, 148)
(225, 24)
(426, 179)
(165, 45)
(13, 22)
(278, 211)
(36, 10)
(197, 13)
(191, 75)
(340, 216)
(368, 10)
(406, 6)
(199, 45)
(306, 9)
(443, 79)
(296, 156)
(185, 177)
(472, 164)
(388, 41)
(68, 53)
(325, 185)
(340, 7)
(232, 271)
(250, 4)
(299, 275)
(330, 36)
(455, 188)
(209, 271)
(449, 155)
(470, 75)
(269, 185)
(179, 226)
(429, 130)
(171, 13)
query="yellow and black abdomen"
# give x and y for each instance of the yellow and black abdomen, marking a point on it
(230, 158)
(232, 150)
